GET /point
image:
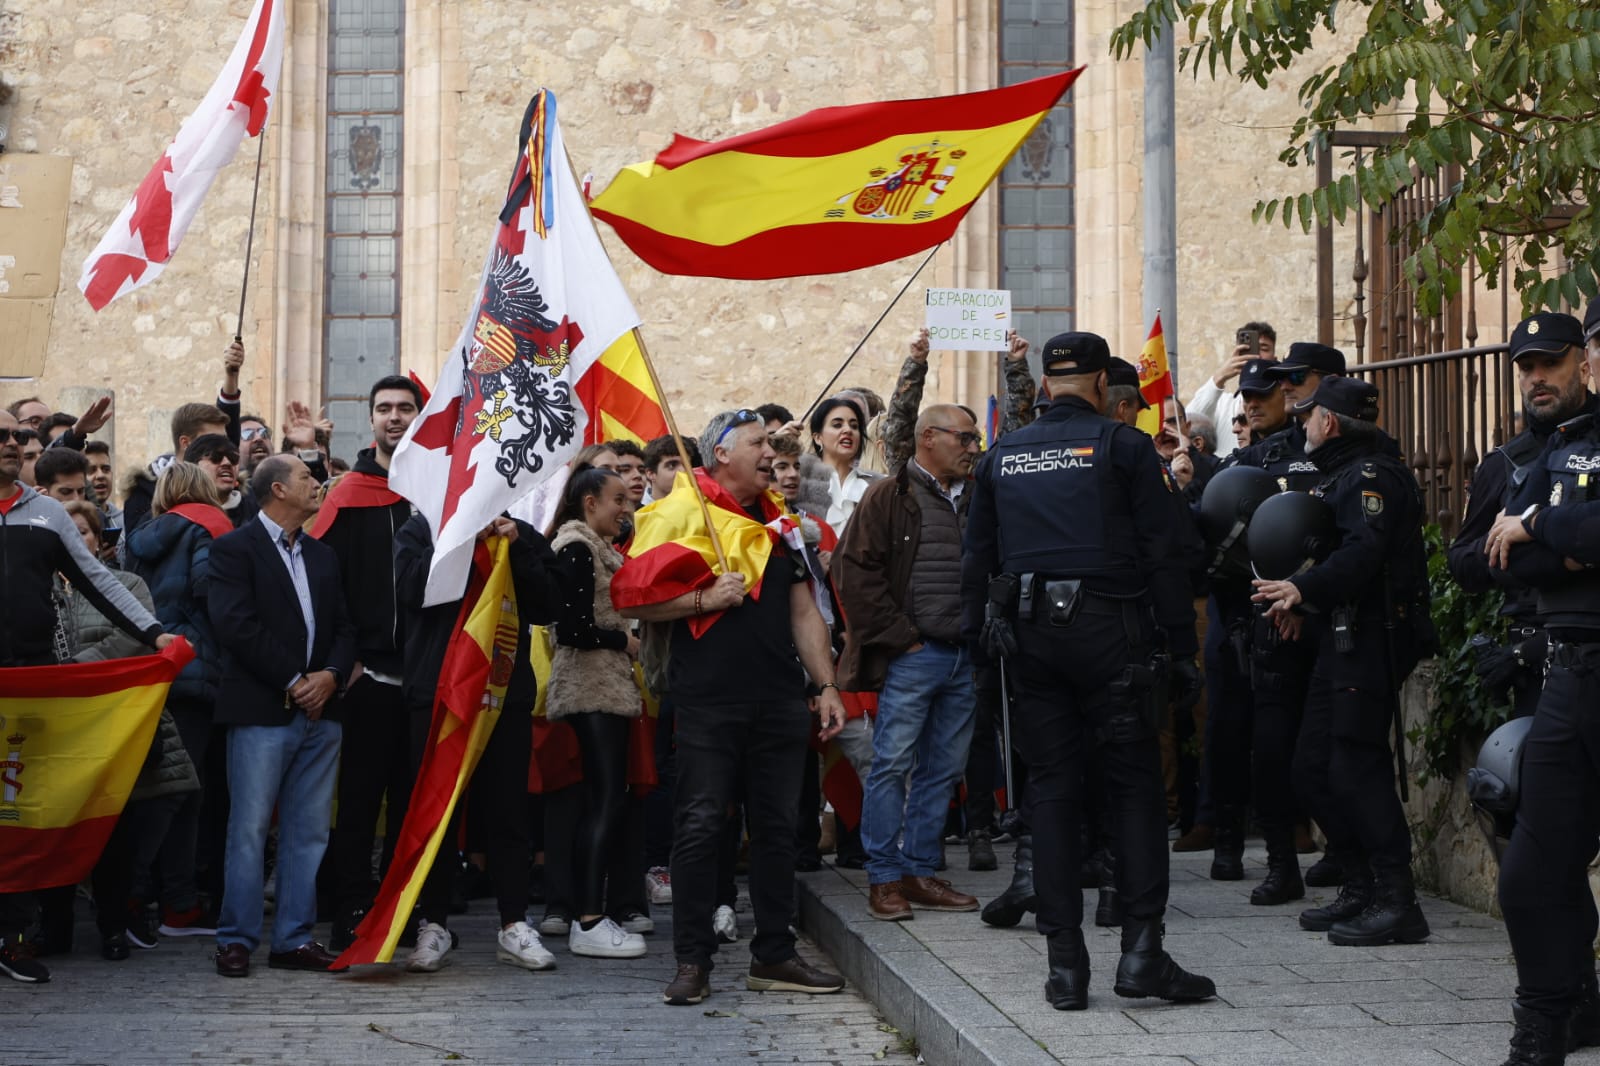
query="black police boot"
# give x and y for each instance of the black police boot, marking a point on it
(1145, 970)
(1393, 916)
(1538, 1040)
(1068, 985)
(1282, 883)
(1007, 909)
(1227, 857)
(1583, 1027)
(1326, 872)
(1355, 895)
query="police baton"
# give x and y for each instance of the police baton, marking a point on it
(1395, 711)
(1005, 736)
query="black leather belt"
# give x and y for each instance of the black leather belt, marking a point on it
(1572, 655)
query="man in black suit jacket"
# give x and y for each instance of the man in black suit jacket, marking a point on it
(288, 648)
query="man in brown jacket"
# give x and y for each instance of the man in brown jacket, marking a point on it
(898, 571)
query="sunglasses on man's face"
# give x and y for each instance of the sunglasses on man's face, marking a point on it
(740, 418)
(1297, 377)
(223, 457)
(21, 436)
(253, 433)
(966, 437)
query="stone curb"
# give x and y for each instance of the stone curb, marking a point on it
(919, 994)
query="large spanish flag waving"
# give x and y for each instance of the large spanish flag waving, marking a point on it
(835, 189)
(620, 397)
(472, 684)
(74, 738)
(1155, 379)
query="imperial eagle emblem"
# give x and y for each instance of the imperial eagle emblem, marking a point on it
(514, 361)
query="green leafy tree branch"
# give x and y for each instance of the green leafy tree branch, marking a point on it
(1501, 95)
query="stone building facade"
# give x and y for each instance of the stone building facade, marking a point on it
(106, 86)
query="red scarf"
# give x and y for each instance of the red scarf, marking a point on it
(354, 489)
(211, 519)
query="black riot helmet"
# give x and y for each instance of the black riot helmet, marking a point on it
(1230, 499)
(1495, 784)
(1289, 534)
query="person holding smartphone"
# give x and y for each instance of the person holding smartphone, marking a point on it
(1214, 399)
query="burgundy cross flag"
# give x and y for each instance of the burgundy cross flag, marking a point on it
(147, 232)
(506, 414)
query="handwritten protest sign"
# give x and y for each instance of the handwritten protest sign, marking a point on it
(969, 320)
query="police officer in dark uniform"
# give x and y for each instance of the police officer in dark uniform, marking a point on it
(1084, 596)
(1547, 539)
(1230, 624)
(1371, 602)
(1550, 377)
(1280, 669)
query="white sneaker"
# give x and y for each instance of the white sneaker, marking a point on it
(607, 940)
(554, 924)
(725, 925)
(521, 946)
(658, 882)
(433, 944)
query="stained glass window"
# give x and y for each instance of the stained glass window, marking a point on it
(361, 290)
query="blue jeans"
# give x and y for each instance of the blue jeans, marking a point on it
(291, 768)
(919, 749)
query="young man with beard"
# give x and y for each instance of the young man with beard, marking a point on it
(359, 519)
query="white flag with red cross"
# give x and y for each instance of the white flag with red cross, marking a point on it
(507, 414)
(141, 241)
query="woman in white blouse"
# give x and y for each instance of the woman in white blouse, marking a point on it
(838, 429)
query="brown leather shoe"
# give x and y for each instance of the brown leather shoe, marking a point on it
(692, 985)
(932, 894)
(233, 960)
(792, 975)
(1198, 838)
(308, 956)
(886, 903)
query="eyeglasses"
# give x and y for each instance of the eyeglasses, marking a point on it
(223, 457)
(966, 437)
(1297, 377)
(21, 436)
(740, 418)
(256, 433)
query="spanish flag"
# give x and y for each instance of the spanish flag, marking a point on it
(619, 396)
(472, 685)
(1155, 379)
(835, 189)
(72, 741)
(671, 551)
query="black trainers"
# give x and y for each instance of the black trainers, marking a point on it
(143, 931)
(980, 851)
(18, 963)
(344, 929)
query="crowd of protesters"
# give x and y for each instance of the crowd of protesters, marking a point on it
(646, 750)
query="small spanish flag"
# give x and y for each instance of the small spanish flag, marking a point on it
(835, 189)
(619, 396)
(72, 741)
(1155, 379)
(472, 684)
(671, 551)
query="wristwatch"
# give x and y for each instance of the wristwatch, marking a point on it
(1527, 518)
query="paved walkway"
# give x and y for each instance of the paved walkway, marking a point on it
(168, 1006)
(972, 994)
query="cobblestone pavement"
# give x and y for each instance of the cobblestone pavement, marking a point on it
(970, 993)
(168, 1006)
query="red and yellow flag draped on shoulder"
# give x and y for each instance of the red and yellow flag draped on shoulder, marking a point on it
(835, 189)
(72, 741)
(472, 685)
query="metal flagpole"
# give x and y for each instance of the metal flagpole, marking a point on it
(860, 344)
(250, 235)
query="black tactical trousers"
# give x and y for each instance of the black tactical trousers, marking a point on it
(1230, 720)
(1280, 680)
(1344, 768)
(1544, 884)
(1071, 708)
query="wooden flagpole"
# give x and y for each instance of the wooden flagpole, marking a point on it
(250, 235)
(655, 383)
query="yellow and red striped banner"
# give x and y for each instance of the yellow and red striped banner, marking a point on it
(72, 741)
(835, 189)
(472, 683)
(619, 396)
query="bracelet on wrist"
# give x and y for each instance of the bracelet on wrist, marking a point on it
(697, 594)
(828, 684)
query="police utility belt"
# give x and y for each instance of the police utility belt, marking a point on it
(1058, 601)
(1573, 655)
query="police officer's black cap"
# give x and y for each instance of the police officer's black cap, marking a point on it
(1549, 332)
(1591, 319)
(1122, 372)
(1256, 376)
(1351, 397)
(1305, 355)
(1075, 353)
